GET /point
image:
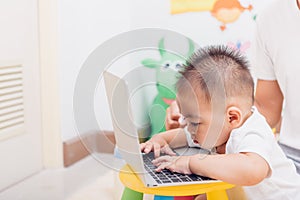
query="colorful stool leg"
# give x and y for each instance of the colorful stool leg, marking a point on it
(129, 194)
(157, 197)
(184, 198)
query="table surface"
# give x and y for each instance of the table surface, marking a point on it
(132, 181)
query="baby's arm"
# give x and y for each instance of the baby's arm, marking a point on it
(242, 169)
(163, 141)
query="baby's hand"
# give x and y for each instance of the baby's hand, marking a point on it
(156, 147)
(178, 164)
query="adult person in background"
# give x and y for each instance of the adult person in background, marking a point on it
(276, 65)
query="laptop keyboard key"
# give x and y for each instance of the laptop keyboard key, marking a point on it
(166, 176)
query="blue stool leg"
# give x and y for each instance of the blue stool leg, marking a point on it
(184, 198)
(129, 194)
(156, 197)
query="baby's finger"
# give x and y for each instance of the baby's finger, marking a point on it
(174, 110)
(171, 124)
(142, 146)
(156, 149)
(161, 159)
(171, 168)
(156, 162)
(172, 116)
(162, 166)
(169, 151)
(148, 147)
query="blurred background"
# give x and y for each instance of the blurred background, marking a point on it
(43, 46)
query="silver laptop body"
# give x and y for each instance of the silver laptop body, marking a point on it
(126, 134)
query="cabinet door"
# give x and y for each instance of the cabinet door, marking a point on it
(20, 107)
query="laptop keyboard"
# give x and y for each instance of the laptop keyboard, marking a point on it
(166, 176)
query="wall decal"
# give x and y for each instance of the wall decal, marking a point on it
(225, 11)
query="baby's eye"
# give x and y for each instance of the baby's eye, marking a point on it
(195, 123)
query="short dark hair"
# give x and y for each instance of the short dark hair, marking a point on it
(215, 69)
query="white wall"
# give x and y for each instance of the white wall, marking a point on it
(83, 25)
(86, 24)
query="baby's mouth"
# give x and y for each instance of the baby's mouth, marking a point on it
(195, 141)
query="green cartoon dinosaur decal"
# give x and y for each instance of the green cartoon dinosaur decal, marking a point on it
(166, 77)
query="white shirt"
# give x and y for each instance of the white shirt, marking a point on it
(276, 56)
(256, 136)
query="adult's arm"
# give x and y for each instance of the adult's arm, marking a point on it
(269, 100)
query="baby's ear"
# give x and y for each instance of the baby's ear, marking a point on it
(234, 116)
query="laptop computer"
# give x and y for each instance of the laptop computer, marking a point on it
(127, 140)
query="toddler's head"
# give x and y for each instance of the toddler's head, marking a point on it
(215, 94)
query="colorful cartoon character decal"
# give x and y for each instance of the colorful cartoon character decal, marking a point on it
(182, 6)
(242, 47)
(225, 11)
(166, 77)
(228, 11)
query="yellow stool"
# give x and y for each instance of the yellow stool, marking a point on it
(134, 186)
